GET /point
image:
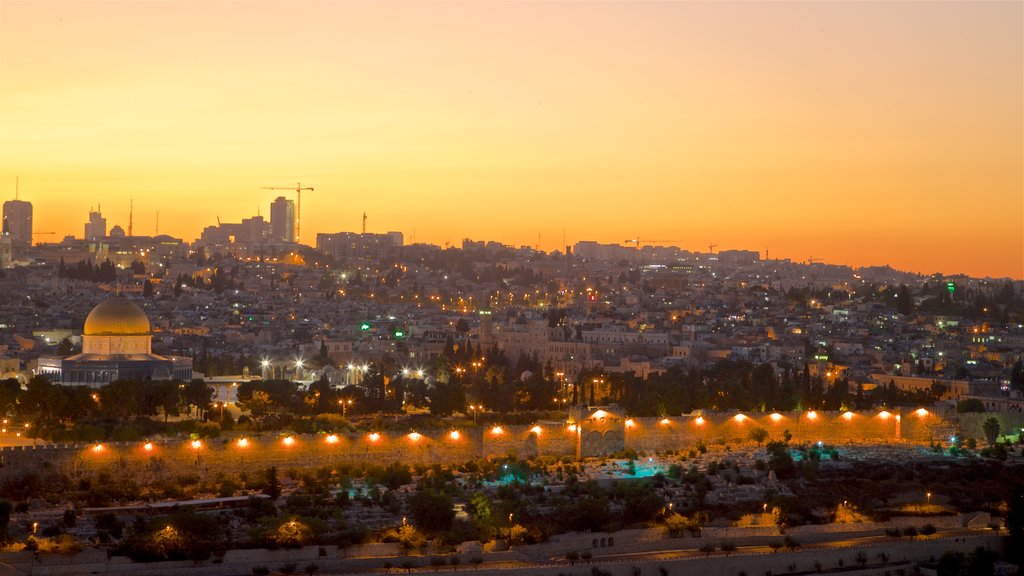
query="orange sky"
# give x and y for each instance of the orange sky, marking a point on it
(855, 132)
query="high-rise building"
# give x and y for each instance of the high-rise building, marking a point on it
(18, 222)
(96, 227)
(282, 220)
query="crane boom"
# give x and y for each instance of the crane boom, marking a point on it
(298, 207)
(639, 241)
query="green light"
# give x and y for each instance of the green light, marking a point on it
(951, 287)
(364, 326)
(399, 334)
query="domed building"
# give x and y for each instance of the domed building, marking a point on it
(116, 345)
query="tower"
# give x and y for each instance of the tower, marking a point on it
(96, 227)
(282, 220)
(17, 222)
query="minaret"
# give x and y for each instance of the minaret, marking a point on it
(131, 211)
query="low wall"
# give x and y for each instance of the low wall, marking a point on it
(167, 459)
(900, 555)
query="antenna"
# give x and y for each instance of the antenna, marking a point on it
(364, 222)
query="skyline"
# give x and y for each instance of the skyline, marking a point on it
(855, 133)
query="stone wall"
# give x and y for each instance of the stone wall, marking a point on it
(598, 432)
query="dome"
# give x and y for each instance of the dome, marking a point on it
(116, 316)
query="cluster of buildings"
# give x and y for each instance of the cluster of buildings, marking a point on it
(641, 309)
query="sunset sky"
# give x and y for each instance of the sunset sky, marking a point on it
(855, 132)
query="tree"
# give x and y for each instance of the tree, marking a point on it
(572, 556)
(991, 429)
(273, 486)
(904, 301)
(1017, 375)
(431, 509)
(120, 399)
(780, 460)
(1015, 521)
(758, 435)
(10, 392)
(970, 405)
(65, 348)
(5, 518)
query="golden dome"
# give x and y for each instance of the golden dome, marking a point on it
(116, 316)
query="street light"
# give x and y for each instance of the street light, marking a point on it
(345, 403)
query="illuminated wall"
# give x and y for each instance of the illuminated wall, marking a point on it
(600, 431)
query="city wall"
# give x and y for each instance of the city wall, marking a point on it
(591, 432)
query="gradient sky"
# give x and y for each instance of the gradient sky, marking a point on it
(855, 132)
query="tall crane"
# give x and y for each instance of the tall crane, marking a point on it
(639, 241)
(711, 248)
(298, 207)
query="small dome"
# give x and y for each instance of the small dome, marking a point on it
(116, 316)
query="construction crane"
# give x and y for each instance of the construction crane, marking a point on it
(711, 248)
(639, 241)
(298, 206)
(38, 233)
(813, 260)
